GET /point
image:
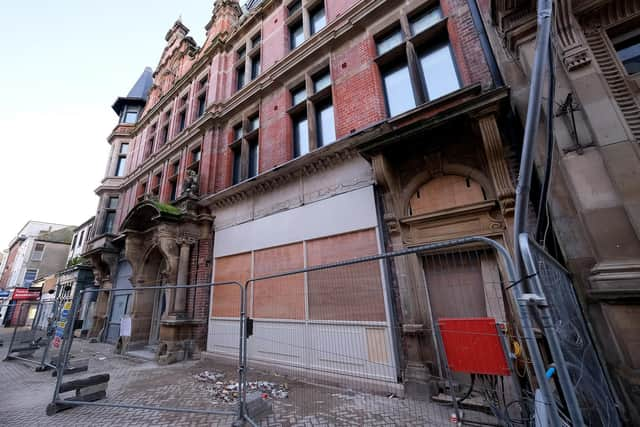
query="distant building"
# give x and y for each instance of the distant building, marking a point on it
(39, 249)
(79, 240)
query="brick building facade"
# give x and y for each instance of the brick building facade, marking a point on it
(301, 133)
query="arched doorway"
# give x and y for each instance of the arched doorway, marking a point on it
(148, 302)
(121, 301)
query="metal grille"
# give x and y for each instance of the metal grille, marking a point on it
(594, 394)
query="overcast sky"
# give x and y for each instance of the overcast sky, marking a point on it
(62, 65)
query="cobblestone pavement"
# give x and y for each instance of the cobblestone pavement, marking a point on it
(24, 395)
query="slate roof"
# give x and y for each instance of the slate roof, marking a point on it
(138, 93)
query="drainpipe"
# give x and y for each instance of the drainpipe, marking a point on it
(489, 57)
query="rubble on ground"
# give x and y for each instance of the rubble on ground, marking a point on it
(228, 391)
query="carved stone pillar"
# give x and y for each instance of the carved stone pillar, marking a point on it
(499, 171)
(180, 301)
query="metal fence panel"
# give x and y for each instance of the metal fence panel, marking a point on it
(131, 374)
(594, 394)
(321, 346)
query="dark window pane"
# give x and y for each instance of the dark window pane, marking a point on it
(254, 123)
(124, 148)
(239, 78)
(300, 137)
(196, 155)
(389, 41)
(241, 53)
(255, 41)
(165, 134)
(398, 92)
(182, 119)
(253, 158)
(174, 168)
(237, 161)
(201, 105)
(29, 276)
(108, 222)
(326, 126)
(255, 66)
(424, 20)
(173, 189)
(294, 6)
(121, 166)
(629, 53)
(298, 95)
(439, 71)
(113, 203)
(237, 132)
(321, 81)
(131, 117)
(296, 35)
(318, 20)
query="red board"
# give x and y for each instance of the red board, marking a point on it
(473, 345)
(25, 294)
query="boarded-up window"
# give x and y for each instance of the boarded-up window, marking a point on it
(346, 293)
(226, 298)
(445, 192)
(281, 297)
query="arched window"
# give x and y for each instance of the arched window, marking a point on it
(445, 192)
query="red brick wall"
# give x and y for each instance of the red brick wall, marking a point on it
(198, 298)
(276, 145)
(466, 43)
(275, 37)
(357, 87)
(335, 8)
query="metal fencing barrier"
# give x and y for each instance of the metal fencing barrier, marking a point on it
(592, 388)
(159, 325)
(322, 341)
(33, 339)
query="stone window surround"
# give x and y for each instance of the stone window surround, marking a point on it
(411, 43)
(172, 176)
(302, 14)
(308, 105)
(105, 210)
(120, 155)
(36, 252)
(245, 62)
(247, 137)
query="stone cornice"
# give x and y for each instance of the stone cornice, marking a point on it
(316, 161)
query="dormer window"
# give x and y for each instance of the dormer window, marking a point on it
(129, 114)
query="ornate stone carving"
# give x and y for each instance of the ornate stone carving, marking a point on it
(191, 185)
(573, 52)
(492, 143)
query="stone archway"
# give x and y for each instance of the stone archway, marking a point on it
(148, 302)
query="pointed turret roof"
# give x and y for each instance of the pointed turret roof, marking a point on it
(138, 93)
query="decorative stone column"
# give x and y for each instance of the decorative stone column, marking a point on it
(498, 168)
(179, 303)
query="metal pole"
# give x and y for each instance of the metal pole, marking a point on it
(51, 330)
(13, 338)
(531, 125)
(546, 319)
(454, 400)
(63, 355)
(241, 347)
